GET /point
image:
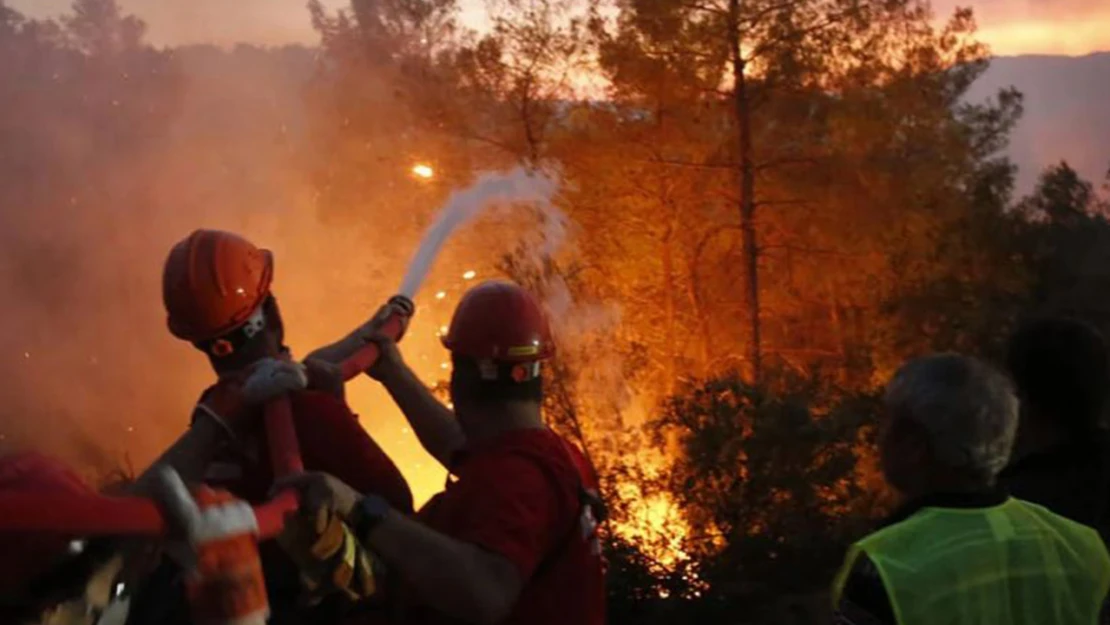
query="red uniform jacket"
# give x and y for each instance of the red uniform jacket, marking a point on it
(521, 496)
(332, 441)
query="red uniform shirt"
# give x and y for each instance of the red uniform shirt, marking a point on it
(332, 441)
(519, 496)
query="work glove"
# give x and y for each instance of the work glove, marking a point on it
(389, 360)
(329, 556)
(232, 403)
(272, 377)
(391, 308)
(216, 542)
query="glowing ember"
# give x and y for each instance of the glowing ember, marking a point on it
(441, 295)
(469, 275)
(423, 171)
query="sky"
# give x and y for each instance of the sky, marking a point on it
(1072, 27)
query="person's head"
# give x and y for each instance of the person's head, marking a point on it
(1060, 367)
(949, 425)
(53, 580)
(216, 289)
(498, 337)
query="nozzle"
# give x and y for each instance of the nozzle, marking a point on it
(404, 303)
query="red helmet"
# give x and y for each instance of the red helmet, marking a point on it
(212, 283)
(500, 321)
(27, 556)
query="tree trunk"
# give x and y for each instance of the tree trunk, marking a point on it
(742, 105)
(671, 331)
(693, 292)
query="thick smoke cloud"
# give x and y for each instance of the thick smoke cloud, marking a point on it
(106, 161)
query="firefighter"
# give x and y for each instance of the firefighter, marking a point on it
(1061, 459)
(513, 538)
(216, 289)
(55, 580)
(959, 550)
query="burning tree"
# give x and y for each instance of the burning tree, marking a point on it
(766, 477)
(780, 139)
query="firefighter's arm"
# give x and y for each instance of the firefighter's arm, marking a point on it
(189, 456)
(434, 424)
(456, 578)
(344, 348)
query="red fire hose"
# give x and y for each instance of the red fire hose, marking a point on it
(107, 516)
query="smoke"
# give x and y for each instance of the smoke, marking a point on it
(103, 170)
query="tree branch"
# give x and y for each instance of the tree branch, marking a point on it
(787, 160)
(707, 8)
(796, 35)
(758, 16)
(686, 164)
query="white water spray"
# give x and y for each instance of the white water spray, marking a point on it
(464, 205)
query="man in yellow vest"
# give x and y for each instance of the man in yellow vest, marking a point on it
(960, 551)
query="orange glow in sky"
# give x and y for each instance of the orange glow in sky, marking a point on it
(1011, 27)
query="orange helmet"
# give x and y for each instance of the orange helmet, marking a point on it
(213, 282)
(500, 321)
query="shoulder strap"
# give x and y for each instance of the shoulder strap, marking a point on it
(587, 499)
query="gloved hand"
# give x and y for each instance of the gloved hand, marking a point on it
(232, 401)
(272, 377)
(390, 309)
(328, 555)
(217, 545)
(389, 360)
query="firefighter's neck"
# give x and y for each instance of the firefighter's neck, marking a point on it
(495, 419)
(943, 481)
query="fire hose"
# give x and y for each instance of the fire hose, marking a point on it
(138, 516)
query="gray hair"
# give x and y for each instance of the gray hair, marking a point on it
(968, 408)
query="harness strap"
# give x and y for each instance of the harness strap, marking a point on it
(587, 500)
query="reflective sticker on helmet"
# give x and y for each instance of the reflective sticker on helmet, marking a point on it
(520, 373)
(524, 350)
(525, 371)
(221, 348)
(487, 369)
(255, 324)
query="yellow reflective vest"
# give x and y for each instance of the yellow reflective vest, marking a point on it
(1011, 564)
